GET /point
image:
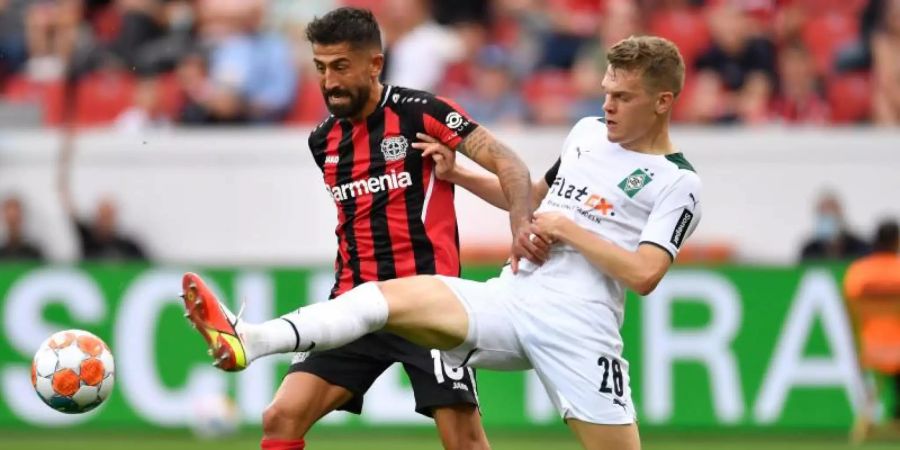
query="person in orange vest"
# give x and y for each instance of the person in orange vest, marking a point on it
(872, 288)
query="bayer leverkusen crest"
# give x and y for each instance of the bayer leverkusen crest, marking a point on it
(394, 148)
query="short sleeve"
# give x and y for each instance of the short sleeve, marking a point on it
(583, 126)
(550, 176)
(674, 216)
(446, 121)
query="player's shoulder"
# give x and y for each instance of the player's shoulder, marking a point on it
(682, 172)
(319, 134)
(589, 126)
(403, 99)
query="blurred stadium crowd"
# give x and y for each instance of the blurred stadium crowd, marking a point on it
(150, 63)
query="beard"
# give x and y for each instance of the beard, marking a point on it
(354, 103)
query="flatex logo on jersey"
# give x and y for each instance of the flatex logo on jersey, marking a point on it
(589, 205)
(369, 186)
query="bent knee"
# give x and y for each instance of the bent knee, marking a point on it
(284, 421)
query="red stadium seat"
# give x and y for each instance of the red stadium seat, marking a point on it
(825, 34)
(686, 28)
(372, 5)
(49, 94)
(20, 88)
(850, 97)
(102, 96)
(548, 83)
(171, 96)
(309, 107)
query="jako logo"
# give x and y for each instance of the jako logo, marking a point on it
(369, 186)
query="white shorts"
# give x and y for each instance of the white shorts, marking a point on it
(573, 345)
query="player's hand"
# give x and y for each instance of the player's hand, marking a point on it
(444, 157)
(542, 243)
(527, 244)
(552, 226)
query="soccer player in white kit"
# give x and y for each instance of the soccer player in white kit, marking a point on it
(617, 207)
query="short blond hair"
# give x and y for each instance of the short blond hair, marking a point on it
(658, 59)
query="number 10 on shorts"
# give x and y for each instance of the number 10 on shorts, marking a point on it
(440, 368)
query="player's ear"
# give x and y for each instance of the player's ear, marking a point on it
(664, 102)
(376, 65)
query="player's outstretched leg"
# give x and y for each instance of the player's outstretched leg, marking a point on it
(421, 309)
(215, 323)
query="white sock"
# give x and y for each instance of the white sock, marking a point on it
(320, 326)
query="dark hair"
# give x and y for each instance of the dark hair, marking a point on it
(355, 26)
(887, 236)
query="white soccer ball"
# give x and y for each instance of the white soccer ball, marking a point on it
(214, 416)
(73, 371)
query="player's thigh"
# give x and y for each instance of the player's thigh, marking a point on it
(606, 437)
(492, 341)
(424, 310)
(577, 354)
(302, 399)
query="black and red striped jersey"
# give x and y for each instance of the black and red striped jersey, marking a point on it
(395, 218)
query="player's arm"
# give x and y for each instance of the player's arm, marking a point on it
(449, 125)
(673, 218)
(486, 186)
(511, 173)
(639, 270)
(515, 183)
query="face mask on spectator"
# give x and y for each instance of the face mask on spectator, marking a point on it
(827, 226)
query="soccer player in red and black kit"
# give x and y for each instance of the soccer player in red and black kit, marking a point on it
(395, 219)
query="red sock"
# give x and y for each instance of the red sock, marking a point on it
(282, 444)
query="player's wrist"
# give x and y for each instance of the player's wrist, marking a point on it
(456, 175)
(566, 231)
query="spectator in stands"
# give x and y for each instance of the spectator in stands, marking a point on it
(54, 31)
(572, 24)
(155, 34)
(494, 98)
(831, 239)
(800, 98)
(858, 55)
(621, 20)
(739, 65)
(886, 67)
(872, 287)
(248, 75)
(142, 21)
(418, 50)
(12, 37)
(99, 239)
(461, 11)
(16, 247)
(146, 112)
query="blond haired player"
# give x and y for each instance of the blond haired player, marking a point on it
(617, 207)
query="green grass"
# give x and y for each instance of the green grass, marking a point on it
(415, 441)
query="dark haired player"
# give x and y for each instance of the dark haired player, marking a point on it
(395, 219)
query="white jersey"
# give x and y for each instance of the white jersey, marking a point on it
(623, 196)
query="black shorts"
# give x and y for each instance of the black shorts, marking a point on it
(356, 365)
